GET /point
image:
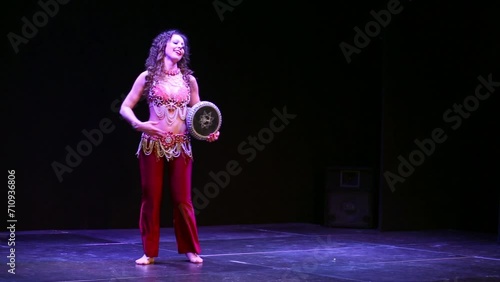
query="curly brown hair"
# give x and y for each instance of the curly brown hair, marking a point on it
(154, 62)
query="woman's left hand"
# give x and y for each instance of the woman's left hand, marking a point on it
(213, 136)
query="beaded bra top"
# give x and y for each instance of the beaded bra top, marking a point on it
(169, 97)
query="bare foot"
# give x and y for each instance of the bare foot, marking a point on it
(194, 258)
(145, 260)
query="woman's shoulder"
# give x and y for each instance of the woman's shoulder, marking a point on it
(192, 81)
(142, 76)
(192, 78)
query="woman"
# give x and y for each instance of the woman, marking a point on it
(169, 88)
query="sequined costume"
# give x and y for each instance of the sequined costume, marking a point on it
(168, 98)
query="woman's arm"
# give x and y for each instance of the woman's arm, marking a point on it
(195, 94)
(195, 98)
(133, 97)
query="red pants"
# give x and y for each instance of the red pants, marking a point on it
(186, 232)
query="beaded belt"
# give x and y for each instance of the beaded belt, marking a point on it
(170, 146)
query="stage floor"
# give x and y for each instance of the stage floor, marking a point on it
(269, 252)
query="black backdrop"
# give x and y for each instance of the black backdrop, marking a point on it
(279, 76)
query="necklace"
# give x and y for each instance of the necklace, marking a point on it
(172, 73)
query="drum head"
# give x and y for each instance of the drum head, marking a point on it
(203, 119)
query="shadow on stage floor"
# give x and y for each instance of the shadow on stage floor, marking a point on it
(270, 252)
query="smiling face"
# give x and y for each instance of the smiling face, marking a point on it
(174, 50)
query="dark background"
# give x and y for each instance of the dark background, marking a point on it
(252, 60)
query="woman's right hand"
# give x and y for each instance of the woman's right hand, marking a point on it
(150, 128)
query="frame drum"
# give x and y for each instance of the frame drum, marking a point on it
(203, 119)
